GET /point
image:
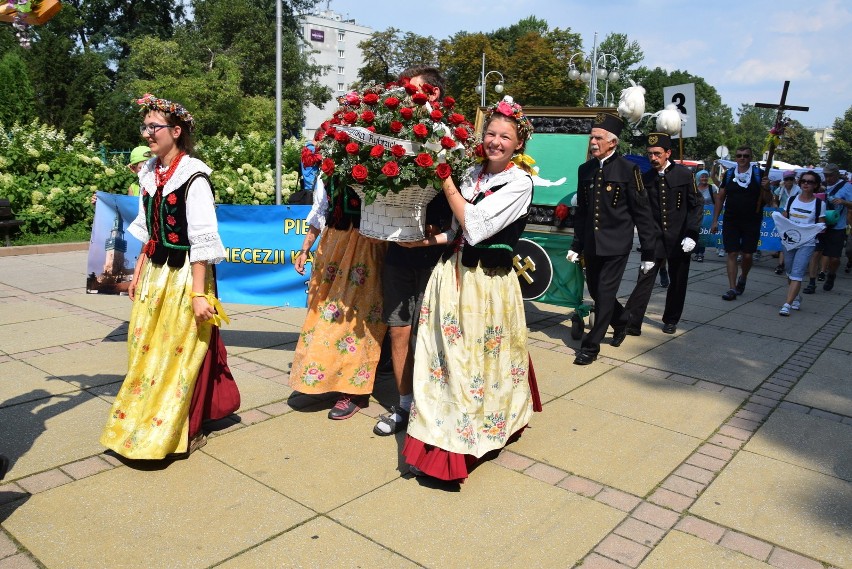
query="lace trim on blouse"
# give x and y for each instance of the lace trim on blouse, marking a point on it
(206, 247)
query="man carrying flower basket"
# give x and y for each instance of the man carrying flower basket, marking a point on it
(406, 273)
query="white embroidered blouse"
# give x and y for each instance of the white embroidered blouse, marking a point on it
(202, 226)
(498, 210)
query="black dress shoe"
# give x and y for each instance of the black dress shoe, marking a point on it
(633, 332)
(669, 328)
(584, 358)
(618, 337)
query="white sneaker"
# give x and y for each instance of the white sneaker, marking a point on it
(797, 304)
(785, 310)
(720, 252)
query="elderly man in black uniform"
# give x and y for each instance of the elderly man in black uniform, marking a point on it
(611, 201)
(678, 208)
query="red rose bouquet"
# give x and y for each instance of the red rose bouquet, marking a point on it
(390, 137)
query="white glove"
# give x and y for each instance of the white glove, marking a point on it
(573, 256)
(646, 266)
(687, 244)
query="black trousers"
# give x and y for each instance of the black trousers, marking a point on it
(603, 277)
(637, 304)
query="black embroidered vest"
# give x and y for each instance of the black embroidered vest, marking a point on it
(498, 250)
(344, 208)
(167, 225)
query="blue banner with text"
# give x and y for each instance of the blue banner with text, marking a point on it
(261, 244)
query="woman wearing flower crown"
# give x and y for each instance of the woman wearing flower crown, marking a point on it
(472, 391)
(178, 374)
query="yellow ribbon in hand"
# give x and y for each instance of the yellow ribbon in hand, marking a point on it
(220, 315)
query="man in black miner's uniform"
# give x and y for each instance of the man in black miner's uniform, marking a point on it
(678, 208)
(610, 202)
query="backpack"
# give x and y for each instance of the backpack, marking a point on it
(307, 182)
(818, 208)
(755, 174)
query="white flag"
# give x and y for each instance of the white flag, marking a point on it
(793, 235)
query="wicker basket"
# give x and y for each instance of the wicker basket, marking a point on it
(396, 216)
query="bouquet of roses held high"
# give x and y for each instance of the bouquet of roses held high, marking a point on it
(389, 137)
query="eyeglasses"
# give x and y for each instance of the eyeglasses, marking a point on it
(812, 182)
(744, 156)
(151, 129)
(657, 154)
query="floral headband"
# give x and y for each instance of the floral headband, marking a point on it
(152, 103)
(508, 107)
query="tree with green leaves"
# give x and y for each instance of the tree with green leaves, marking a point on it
(629, 55)
(797, 146)
(380, 53)
(460, 59)
(840, 145)
(16, 91)
(752, 128)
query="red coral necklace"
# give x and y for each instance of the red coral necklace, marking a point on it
(162, 177)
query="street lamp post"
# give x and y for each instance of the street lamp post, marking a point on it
(482, 77)
(597, 64)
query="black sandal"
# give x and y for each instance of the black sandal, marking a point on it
(393, 426)
(730, 295)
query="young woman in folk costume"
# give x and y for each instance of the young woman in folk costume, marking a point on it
(341, 340)
(178, 374)
(473, 386)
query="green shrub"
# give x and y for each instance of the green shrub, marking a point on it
(50, 180)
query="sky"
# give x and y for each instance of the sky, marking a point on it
(746, 49)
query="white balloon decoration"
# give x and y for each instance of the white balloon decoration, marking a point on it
(631, 103)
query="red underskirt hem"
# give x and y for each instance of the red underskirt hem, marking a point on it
(215, 395)
(442, 464)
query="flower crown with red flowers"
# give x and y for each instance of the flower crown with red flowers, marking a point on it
(152, 103)
(508, 107)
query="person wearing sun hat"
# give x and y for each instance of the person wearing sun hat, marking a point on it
(611, 202)
(177, 374)
(138, 156)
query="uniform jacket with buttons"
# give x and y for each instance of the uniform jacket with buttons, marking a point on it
(677, 206)
(611, 201)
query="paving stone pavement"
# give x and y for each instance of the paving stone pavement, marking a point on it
(726, 444)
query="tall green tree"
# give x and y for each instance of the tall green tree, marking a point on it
(540, 83)
(798, 146)
(460, 58)
(629, 55)
(565, 45)
(380, 53)
(840, 146)
(752, 129)
(109, 26)
(67, 80)
(417, 50)
(16, 91)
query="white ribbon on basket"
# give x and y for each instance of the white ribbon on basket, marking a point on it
(364, 136)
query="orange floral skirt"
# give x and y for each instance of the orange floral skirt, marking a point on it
(341, 339)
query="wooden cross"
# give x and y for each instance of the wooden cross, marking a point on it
(781, 107)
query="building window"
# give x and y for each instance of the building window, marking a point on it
(340, 36)
(341, 54)
(340, 70)
(340, 86)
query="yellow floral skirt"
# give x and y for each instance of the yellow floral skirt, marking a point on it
(341, 339)
(150, 416)
(471, 390)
